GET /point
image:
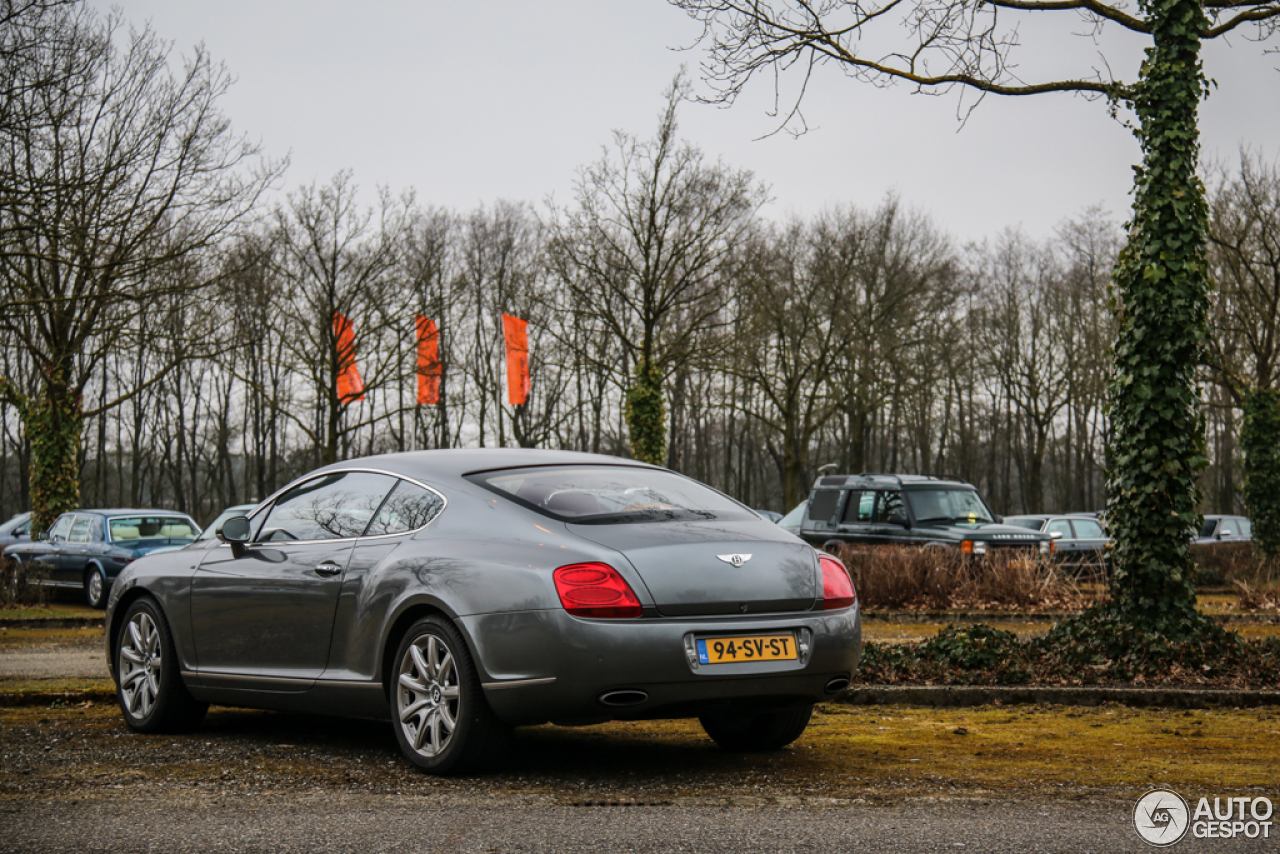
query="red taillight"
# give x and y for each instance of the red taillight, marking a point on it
(595, 590)
(837, 589)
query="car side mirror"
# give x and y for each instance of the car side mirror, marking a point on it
(1056, 535)
(1225, 534)
(997, 518)
(897, 519)
(41, 536)
(235, 533)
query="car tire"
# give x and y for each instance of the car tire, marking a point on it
(745, 731)
(149, 683)
(438, 710)
(95, 588)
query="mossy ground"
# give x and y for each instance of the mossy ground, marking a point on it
(847, 753)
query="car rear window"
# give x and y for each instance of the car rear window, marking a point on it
(611, 494)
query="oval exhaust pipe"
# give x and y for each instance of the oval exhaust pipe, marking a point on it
(625, 697)
(836, 685)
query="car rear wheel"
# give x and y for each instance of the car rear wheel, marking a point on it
(757, 730)
(95, 588)
(438, 709)
(152, 695)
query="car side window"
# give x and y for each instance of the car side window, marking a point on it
(1087, 529)
(333, 506)
(23, 529)
(80, 530)
(891, 504)
(61, 527)
(822, 506)
(859, 506)
(408, 508)
(1246, 527)
(1060, 526)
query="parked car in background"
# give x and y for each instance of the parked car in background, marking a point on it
(910, 510)
(461, 593)
(1079, 541)
(771, 515)
(791, 522)
(87, 549)
(1223, 529)
(16, 530)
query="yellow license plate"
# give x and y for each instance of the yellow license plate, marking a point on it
(749, 648)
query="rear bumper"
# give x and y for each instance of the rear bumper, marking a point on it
(540, 666)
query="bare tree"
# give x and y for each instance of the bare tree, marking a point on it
(937, 45)
(110, 174)
(644, 255)
(334, 257)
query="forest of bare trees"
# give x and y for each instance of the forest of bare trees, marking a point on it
(863, 338)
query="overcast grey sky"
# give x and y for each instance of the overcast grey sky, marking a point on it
(471, 102)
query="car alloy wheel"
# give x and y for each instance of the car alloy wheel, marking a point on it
(141, 658)
(152, 695)
(440, 716)
(427, 688)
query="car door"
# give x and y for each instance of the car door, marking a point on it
(1091, 540)
(1065, 547)
(264, 618)
(891, 505)
(75, 551)
(47, 552)
(857, 519)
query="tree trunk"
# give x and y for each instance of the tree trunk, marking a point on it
(1260, 440)
(1162, 283)
(54, 424)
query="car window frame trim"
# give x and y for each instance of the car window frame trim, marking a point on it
(270, 499)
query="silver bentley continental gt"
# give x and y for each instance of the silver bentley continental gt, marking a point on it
(463, 593)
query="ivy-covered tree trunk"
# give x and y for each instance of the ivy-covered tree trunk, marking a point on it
(1162, 301)
(646, 415)
(1260, 441)
(54, 423)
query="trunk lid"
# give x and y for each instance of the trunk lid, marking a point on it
(690, 570)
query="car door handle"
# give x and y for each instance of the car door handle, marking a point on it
(328, 568)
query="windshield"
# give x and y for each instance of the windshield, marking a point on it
(958, 506)
(612, 494)
(124, 528)
(795, 517)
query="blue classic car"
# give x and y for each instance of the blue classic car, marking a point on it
(86, 549)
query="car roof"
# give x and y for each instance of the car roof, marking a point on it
(901, 481)
(128, 512)
(456, 462)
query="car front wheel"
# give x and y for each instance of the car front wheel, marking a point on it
(152, 695)
(757, 730)
(438, 709)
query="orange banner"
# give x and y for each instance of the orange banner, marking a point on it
(513, 329)
(350, 386)
(429, 370)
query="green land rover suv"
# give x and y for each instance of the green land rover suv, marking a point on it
(910, 510)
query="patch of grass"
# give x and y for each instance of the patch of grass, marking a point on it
(876, 755)
(53, 610)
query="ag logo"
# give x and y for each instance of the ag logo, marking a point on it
(1161, 817)
(736, 560)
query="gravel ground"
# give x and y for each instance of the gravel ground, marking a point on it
(52, 654)
(73, 778)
